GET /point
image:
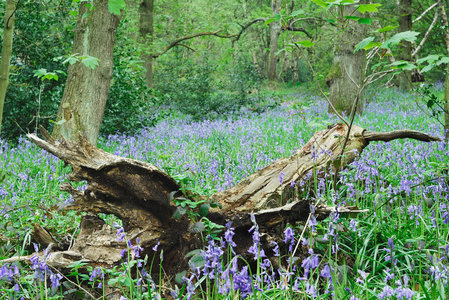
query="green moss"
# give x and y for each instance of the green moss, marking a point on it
(334, 72)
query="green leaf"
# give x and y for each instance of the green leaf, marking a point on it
(197, 261)
(386, 28)
(306, 43)
(297, 12)
(408, 36)
(71, 60)
(427, 68)
(204, 209)
(197, 227)
(193, 252)
(363, 43)
(320, 3)
(443, 60)
(429, 59)
(366, 21)
(352, 18)
(268, 21)
(39, 73)
(277, 17)
(403, 65)
(89, 61)
(179, 212)
(115, 6)
(363, 8)
(180, 277)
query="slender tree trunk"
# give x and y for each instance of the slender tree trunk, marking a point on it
(446, 81)
(6, 53)
(346, 74)
(275, 31)
(405, 24)
(146, 29)
(86, 91)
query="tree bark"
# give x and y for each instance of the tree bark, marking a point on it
(140, 195)
(275, 31)
(446, 81)
(146, 30)
(346, 74)
(8, 31)
(86, 90)
(405, 53)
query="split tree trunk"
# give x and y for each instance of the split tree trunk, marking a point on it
(139, 194)
(86, 91)
(8, 31)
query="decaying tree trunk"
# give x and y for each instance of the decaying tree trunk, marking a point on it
(139, 194)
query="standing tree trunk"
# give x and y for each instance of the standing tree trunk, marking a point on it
(446, 81)
(6, 53)
(275, 31)
(86, 90)
(405, 24)
(346, 74)
(146, 30)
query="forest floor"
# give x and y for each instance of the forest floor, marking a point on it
(400, 249)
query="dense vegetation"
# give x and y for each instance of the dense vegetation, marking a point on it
(211, 114)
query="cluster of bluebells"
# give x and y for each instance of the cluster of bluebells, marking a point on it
(239, 279)
(400, 291)
(42, 271)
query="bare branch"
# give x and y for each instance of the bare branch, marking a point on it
(445, 23)
(434, 21)
(244, 27)
(425, 12)
(301, 29)
(178, 41)
(235, 36)
(371, 136)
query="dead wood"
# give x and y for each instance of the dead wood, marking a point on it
(139, 194)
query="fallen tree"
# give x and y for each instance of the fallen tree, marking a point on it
(141, 196)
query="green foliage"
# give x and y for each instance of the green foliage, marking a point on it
(197, 90)
(43, 31)
(115, 6)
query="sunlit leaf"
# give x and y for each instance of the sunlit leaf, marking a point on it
(90, 61)
(366, 21)
(408, 36)
(386, 28)
(352, 18)
(115, 6)
(363, 8)
(306, 43)
(363, 43)
(297, 12)
(320, 3)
